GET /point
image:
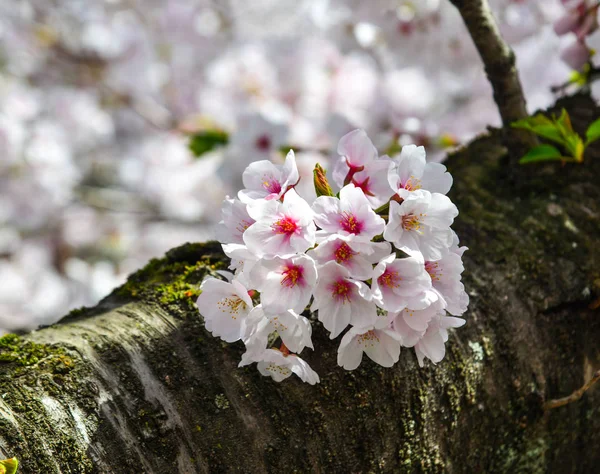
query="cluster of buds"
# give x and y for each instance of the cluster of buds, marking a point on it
(378, 261)
(581, 19)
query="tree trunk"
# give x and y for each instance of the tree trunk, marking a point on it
(136, 384)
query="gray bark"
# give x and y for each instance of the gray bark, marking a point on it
(136, 385)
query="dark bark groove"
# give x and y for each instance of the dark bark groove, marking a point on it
(136, 385)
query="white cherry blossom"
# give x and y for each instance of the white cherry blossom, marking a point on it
(295, 256)
(418, 319)
(422, 223)
(242, 261)
(381, 344)
(225, 307)
(235, 221)
(411, 172)
(432, 344)
(279, 366)
(408, 336)
(294, 330)
(445, 275)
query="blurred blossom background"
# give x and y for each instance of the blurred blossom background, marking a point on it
(98, 99)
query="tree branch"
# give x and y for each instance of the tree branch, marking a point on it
(576, 395)
(499, 63)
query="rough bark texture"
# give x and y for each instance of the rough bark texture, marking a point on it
(137, 384)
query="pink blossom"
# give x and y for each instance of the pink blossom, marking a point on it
(373, 181)
(281, 228)
(284, 283)
(351, 214)
(357, 257)
(398, 283)
(341, 300)
(356, 150)
(265, 180)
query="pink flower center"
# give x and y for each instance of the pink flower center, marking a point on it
(292, 276)
(389, 278)
(341, 290)
(433, 269)
(350, 223)
(263, 143)
(271, 184)
(364, 185)
(412, 221)
(286, 225)
(344, 253)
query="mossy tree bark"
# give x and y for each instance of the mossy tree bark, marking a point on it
(137, 384)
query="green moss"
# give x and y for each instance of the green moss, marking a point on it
(174, 280)
(221, 401)
(31, 373)
(15, 350)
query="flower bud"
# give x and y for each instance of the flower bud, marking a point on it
(322, 186)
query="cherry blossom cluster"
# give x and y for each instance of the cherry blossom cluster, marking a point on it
(377, 262)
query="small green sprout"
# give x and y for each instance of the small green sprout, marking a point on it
(558, 130)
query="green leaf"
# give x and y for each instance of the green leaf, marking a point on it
(529, 123)
(593, 132)
(207, 140)
(575, 147)
(542, 126)
(551, 132)
(543, 153)
(9, 466)
(565, 121)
